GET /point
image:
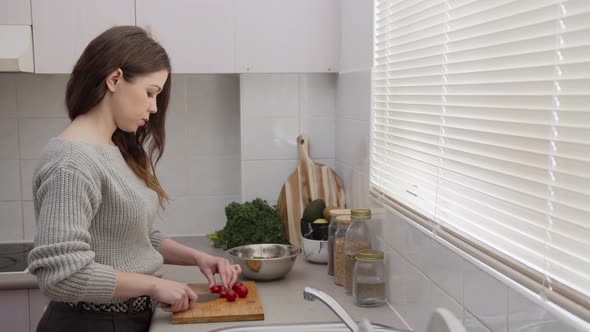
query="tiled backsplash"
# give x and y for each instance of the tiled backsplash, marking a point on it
(275, 109)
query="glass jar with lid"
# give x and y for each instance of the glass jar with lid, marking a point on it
(357, 237)
(368, 278)
(339, 238)
(332, 235)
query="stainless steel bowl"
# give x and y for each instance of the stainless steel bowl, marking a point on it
(264, 261)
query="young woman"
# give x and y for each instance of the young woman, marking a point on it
(96, 195)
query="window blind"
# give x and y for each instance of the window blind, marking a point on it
(481, 124)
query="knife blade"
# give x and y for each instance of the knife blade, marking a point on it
(201, 298)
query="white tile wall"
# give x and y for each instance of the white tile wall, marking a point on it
(267, 138)
(213, 119)
(440, 299)
(485, 297)
(212, 175)
(524, 315)
(11, 226)
(445, 268)
(275, 109)
(29, 224)
(41, 96)
(8, 95)
(34, 133)
(264, 178)
(8, 139)
(27, 167)
(472, 324)
(201, 167)
(9, 180)
(269, 95)
(187, 215)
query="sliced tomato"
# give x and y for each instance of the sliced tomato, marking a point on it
(215, 289)
(222, 293)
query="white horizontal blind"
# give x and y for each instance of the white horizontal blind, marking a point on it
(481, 123)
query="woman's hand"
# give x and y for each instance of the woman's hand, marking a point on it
(178, 295)
(210, 265)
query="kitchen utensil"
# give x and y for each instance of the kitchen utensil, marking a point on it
(308, 182)
(201, 298)
(264, 261)
(219, 310)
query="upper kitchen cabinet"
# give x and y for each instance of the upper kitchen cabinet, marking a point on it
(197, 34)
(286, 36)
(15, 12)
(63, 28)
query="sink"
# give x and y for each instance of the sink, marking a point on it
(346, 324)
(303, 327)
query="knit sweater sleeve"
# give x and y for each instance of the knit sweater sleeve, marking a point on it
(156, 238)
(62, 258)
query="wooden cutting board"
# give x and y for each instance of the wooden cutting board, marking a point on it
(308, 182)
(219, 310)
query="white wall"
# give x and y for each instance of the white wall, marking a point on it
(276, 108)
(423, 273)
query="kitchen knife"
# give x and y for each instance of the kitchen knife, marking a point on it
(201, 298)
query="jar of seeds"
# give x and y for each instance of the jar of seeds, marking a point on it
(332, 235)
(339, 237)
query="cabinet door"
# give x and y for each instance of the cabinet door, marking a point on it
(287, 36)
(63, 28)
(197, 34)
(15, 12)
(14, 310)
(37, 306)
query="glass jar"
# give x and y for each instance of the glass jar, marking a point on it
(332, 234)
(357, 237)
(339, 238)
(368, 278)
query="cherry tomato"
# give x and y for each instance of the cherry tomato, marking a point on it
(215, 289)
(230, 296)
(237, 285)
(242, 291)
(222, 293)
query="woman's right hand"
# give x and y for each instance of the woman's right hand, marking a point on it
(179, 295)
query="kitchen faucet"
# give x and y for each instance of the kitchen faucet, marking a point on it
(311, 294)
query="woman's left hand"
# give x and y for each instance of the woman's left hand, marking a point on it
(210, 265)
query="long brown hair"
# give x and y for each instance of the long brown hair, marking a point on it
(132, 50)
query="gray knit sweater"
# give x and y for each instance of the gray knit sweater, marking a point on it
(94, 217)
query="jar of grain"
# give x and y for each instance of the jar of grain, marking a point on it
(357, 237)
(339, 237)
(332, 235)
(368, 278)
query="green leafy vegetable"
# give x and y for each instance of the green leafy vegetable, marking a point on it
(249, 223)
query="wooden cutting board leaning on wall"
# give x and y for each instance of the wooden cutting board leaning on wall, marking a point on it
(308, 182)
(219, 310)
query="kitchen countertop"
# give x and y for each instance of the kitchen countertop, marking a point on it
(274, 295)
(17, 280)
